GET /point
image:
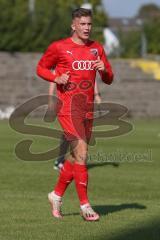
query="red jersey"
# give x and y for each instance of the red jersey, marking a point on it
(65, 55)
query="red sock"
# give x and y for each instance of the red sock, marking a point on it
(80, 174)
(65, 178)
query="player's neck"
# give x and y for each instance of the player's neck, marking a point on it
(78, 40)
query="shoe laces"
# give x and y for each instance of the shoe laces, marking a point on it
(57, 205)
(88, 210)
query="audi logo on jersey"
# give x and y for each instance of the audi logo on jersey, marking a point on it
(83, 65)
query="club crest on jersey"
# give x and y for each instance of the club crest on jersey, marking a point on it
(94, 51)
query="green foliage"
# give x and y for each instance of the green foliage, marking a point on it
(148, 10)
(152, 32)
(21, 30)
(130, 44)
(150, 13)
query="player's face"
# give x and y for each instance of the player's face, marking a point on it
(82, 27)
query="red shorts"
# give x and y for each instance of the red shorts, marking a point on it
(76, 127)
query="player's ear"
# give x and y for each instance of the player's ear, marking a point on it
(73, 26)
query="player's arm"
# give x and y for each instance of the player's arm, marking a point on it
(104, 68)
(97, 95)
(47, 62)
(52, 87)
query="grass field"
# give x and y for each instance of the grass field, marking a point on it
(126, 194)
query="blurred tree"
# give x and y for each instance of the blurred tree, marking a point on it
(150, 15)
(148, 11)
(13, 18)
(130, 44)
(136, 43)
(21, 30)
(152, 32)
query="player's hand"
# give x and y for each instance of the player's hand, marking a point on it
(63, 79)
(99, 65)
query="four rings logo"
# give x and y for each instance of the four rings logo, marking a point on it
(83, 65)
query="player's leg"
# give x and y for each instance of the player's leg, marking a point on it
(65, 175)
(64, 145)
(78, 170)
(80, 174)
(55, 197)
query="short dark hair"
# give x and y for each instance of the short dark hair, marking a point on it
(81, 12)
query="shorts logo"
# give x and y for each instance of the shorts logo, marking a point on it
(83, 65)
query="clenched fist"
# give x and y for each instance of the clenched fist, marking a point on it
(63, 79)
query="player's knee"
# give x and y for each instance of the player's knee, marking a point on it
(81, 155)
(80, 151)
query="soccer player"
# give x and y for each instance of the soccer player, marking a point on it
(75, 60)
(64, 144)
